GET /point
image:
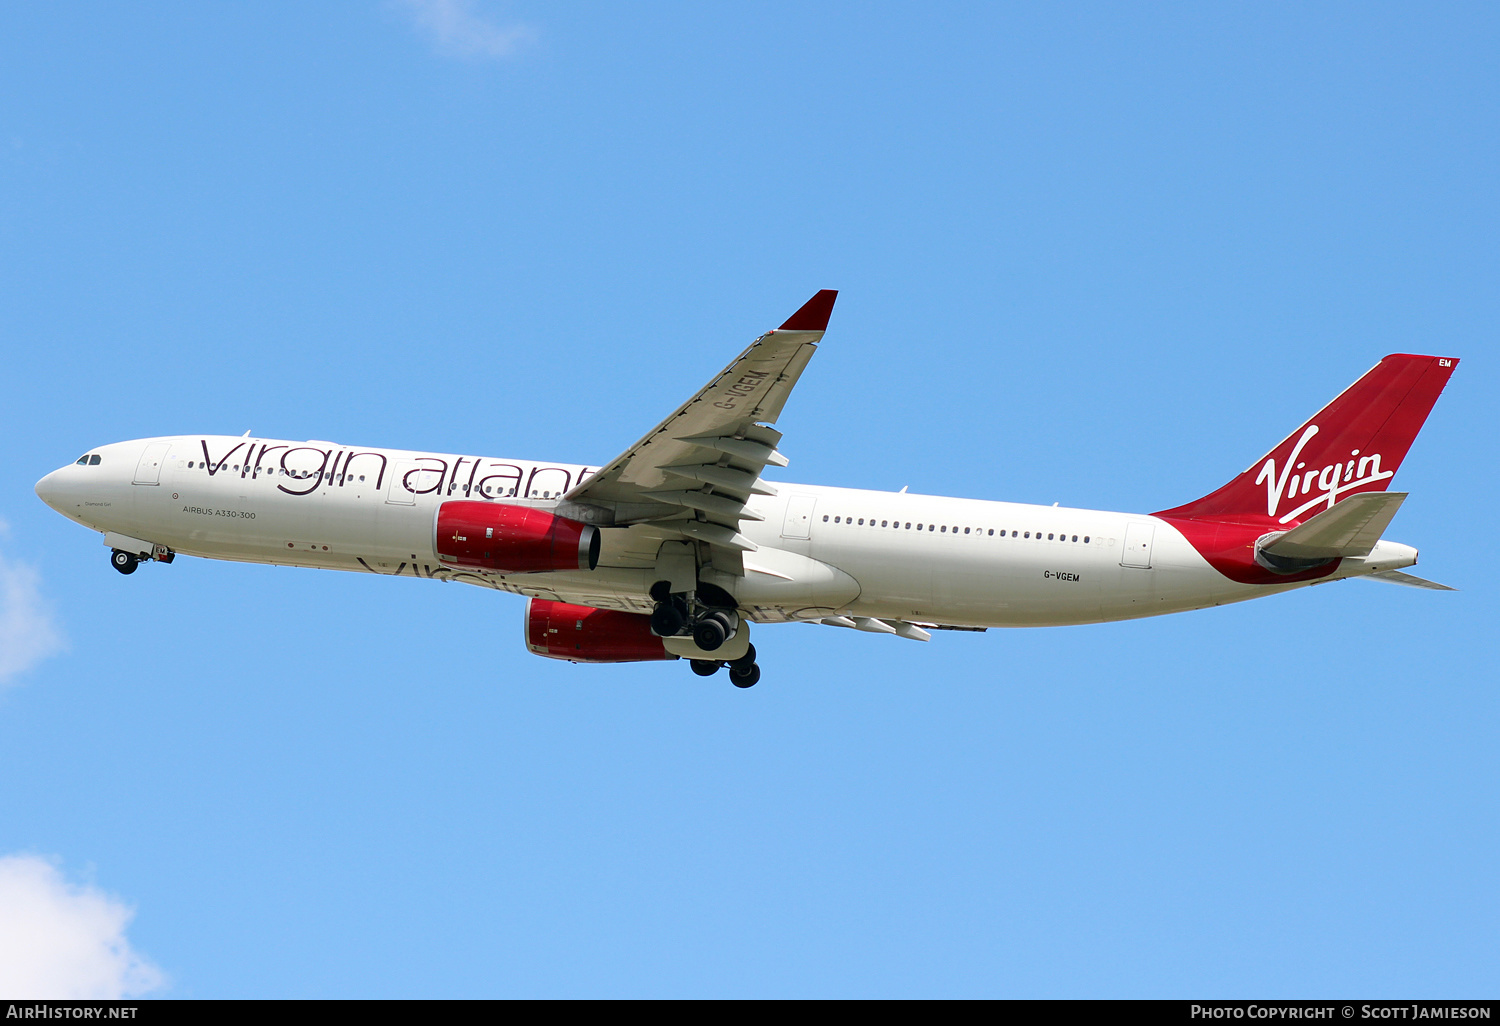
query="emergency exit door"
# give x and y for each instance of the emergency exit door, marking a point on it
(799, 514)
(1137, 551)
(148, 470)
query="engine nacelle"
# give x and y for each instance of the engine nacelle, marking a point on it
(512, 539)
(583, 634)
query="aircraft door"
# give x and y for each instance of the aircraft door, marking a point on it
(1137, 549)
(799, 514)
(148, 470)
(400, 492)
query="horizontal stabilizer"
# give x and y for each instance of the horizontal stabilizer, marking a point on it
(1350, 528)
(1410, 580)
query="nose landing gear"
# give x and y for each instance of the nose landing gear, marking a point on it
(126, 560)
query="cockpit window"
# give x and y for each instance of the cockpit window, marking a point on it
(83, 460)
(87, 460)
(93, 461)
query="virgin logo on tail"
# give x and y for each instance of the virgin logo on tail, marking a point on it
(1332, 481)
(1356, 442)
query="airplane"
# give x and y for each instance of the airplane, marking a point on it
(674, 548)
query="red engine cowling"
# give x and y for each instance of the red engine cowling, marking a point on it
(583, 634)
(512, 539)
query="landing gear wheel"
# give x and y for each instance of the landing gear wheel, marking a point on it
(711, 631)
(123, 561)
(744, 677)
(704, 667)
(667, 620)
(746, 660)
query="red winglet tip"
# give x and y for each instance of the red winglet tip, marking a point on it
(814, 313)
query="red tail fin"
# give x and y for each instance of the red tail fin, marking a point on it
(1354, 444)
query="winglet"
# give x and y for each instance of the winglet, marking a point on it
(814, 313)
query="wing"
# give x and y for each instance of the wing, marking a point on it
(691, 475)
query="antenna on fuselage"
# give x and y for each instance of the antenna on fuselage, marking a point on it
(245, 435)
(903, 489)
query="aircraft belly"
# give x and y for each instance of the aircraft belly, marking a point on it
(780, 585)
(603, 588)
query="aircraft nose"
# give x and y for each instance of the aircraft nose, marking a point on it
(49, 489)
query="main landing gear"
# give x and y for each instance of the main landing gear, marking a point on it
(743, 672)
(714, 624)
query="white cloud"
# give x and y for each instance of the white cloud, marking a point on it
(27, 633)
(65, 941)
(457, 29)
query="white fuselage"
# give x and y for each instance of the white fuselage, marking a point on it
(821, 551)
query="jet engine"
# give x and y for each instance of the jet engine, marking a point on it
(512, 539)
(583, 634)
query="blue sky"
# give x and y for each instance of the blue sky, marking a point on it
(1094, 254)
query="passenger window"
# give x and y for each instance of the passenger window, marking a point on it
(908, 525)
(1075, 537)
(1028, 534)
(1049, 537)
(1085, 539)
(836, 520)
(992, 532)
(861, 521)
(966, 530)
(945, 528)
(882, 523)
(919, 527)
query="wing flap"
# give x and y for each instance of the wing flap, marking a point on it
(871, 625)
